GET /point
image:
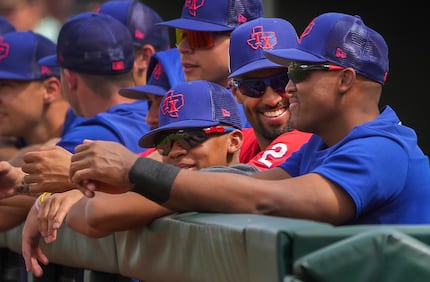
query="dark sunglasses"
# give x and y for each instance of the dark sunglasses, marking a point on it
(196, 39)
(299, 72)
(189, 138)
(256, 87)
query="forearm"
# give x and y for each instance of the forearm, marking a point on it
(119, 212)
(189, 190)
(11, 217)
(14, 210)
(76, 220)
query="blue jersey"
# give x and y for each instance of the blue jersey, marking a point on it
(379, 164)
(122, 123)
(71, 120)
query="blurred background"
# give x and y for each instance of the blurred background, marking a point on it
(403, 26)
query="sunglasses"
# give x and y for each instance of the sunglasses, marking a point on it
(196, 39)
(189, 138)
(297, 73)
(256, 87)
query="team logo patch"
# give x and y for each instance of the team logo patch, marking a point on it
(340, 53)
(265, 40)
(172, 103)
(193, 5)
(45, 70)
(225, 113)
(138, 34)
(118, 65)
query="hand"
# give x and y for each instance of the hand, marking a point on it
(103, 166)
(10, 178)
(53, 210)
(48, 170)
(30, 245)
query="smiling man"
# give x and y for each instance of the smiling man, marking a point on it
(259, 85)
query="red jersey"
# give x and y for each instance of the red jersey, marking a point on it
(147, 152)
(276, 153)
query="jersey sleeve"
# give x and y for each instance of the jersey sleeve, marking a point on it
(280, 149)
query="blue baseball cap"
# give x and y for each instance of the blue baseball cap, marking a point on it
(140, 20)
(20, 52)
(93, 43)
(164, 71)
(343, 40)
(194, 104)
(5, 26)
(158, 84)
(216, 15)
(249, 40)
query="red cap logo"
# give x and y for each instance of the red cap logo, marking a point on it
(265, 40)
(157, 72)
(172, 103)
(118, 65)
(4, 49)
(307, 30)
(193, 5)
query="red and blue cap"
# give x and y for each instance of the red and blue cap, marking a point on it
(20, 52)
(343, 40)
(140, 20)
(164, 70)
(194, 104)
(5, 26)
(94, 43)
(249, 41)
(216, 15)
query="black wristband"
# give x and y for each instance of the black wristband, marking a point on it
(152, 179)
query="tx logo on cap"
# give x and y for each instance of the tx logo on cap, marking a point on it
(4, 49)
(172, 103)
(265, 40)
(307, 30)
(157, 72)
(193, 5)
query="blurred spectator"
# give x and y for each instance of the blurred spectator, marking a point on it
(30, 15)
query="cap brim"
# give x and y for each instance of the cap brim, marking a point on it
(50, 61)
(255, 65)
(13, 76)
(286, 56)
(188, 24)
(148, 140)
(140, 92)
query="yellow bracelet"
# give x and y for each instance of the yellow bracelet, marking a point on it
(42, 197)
